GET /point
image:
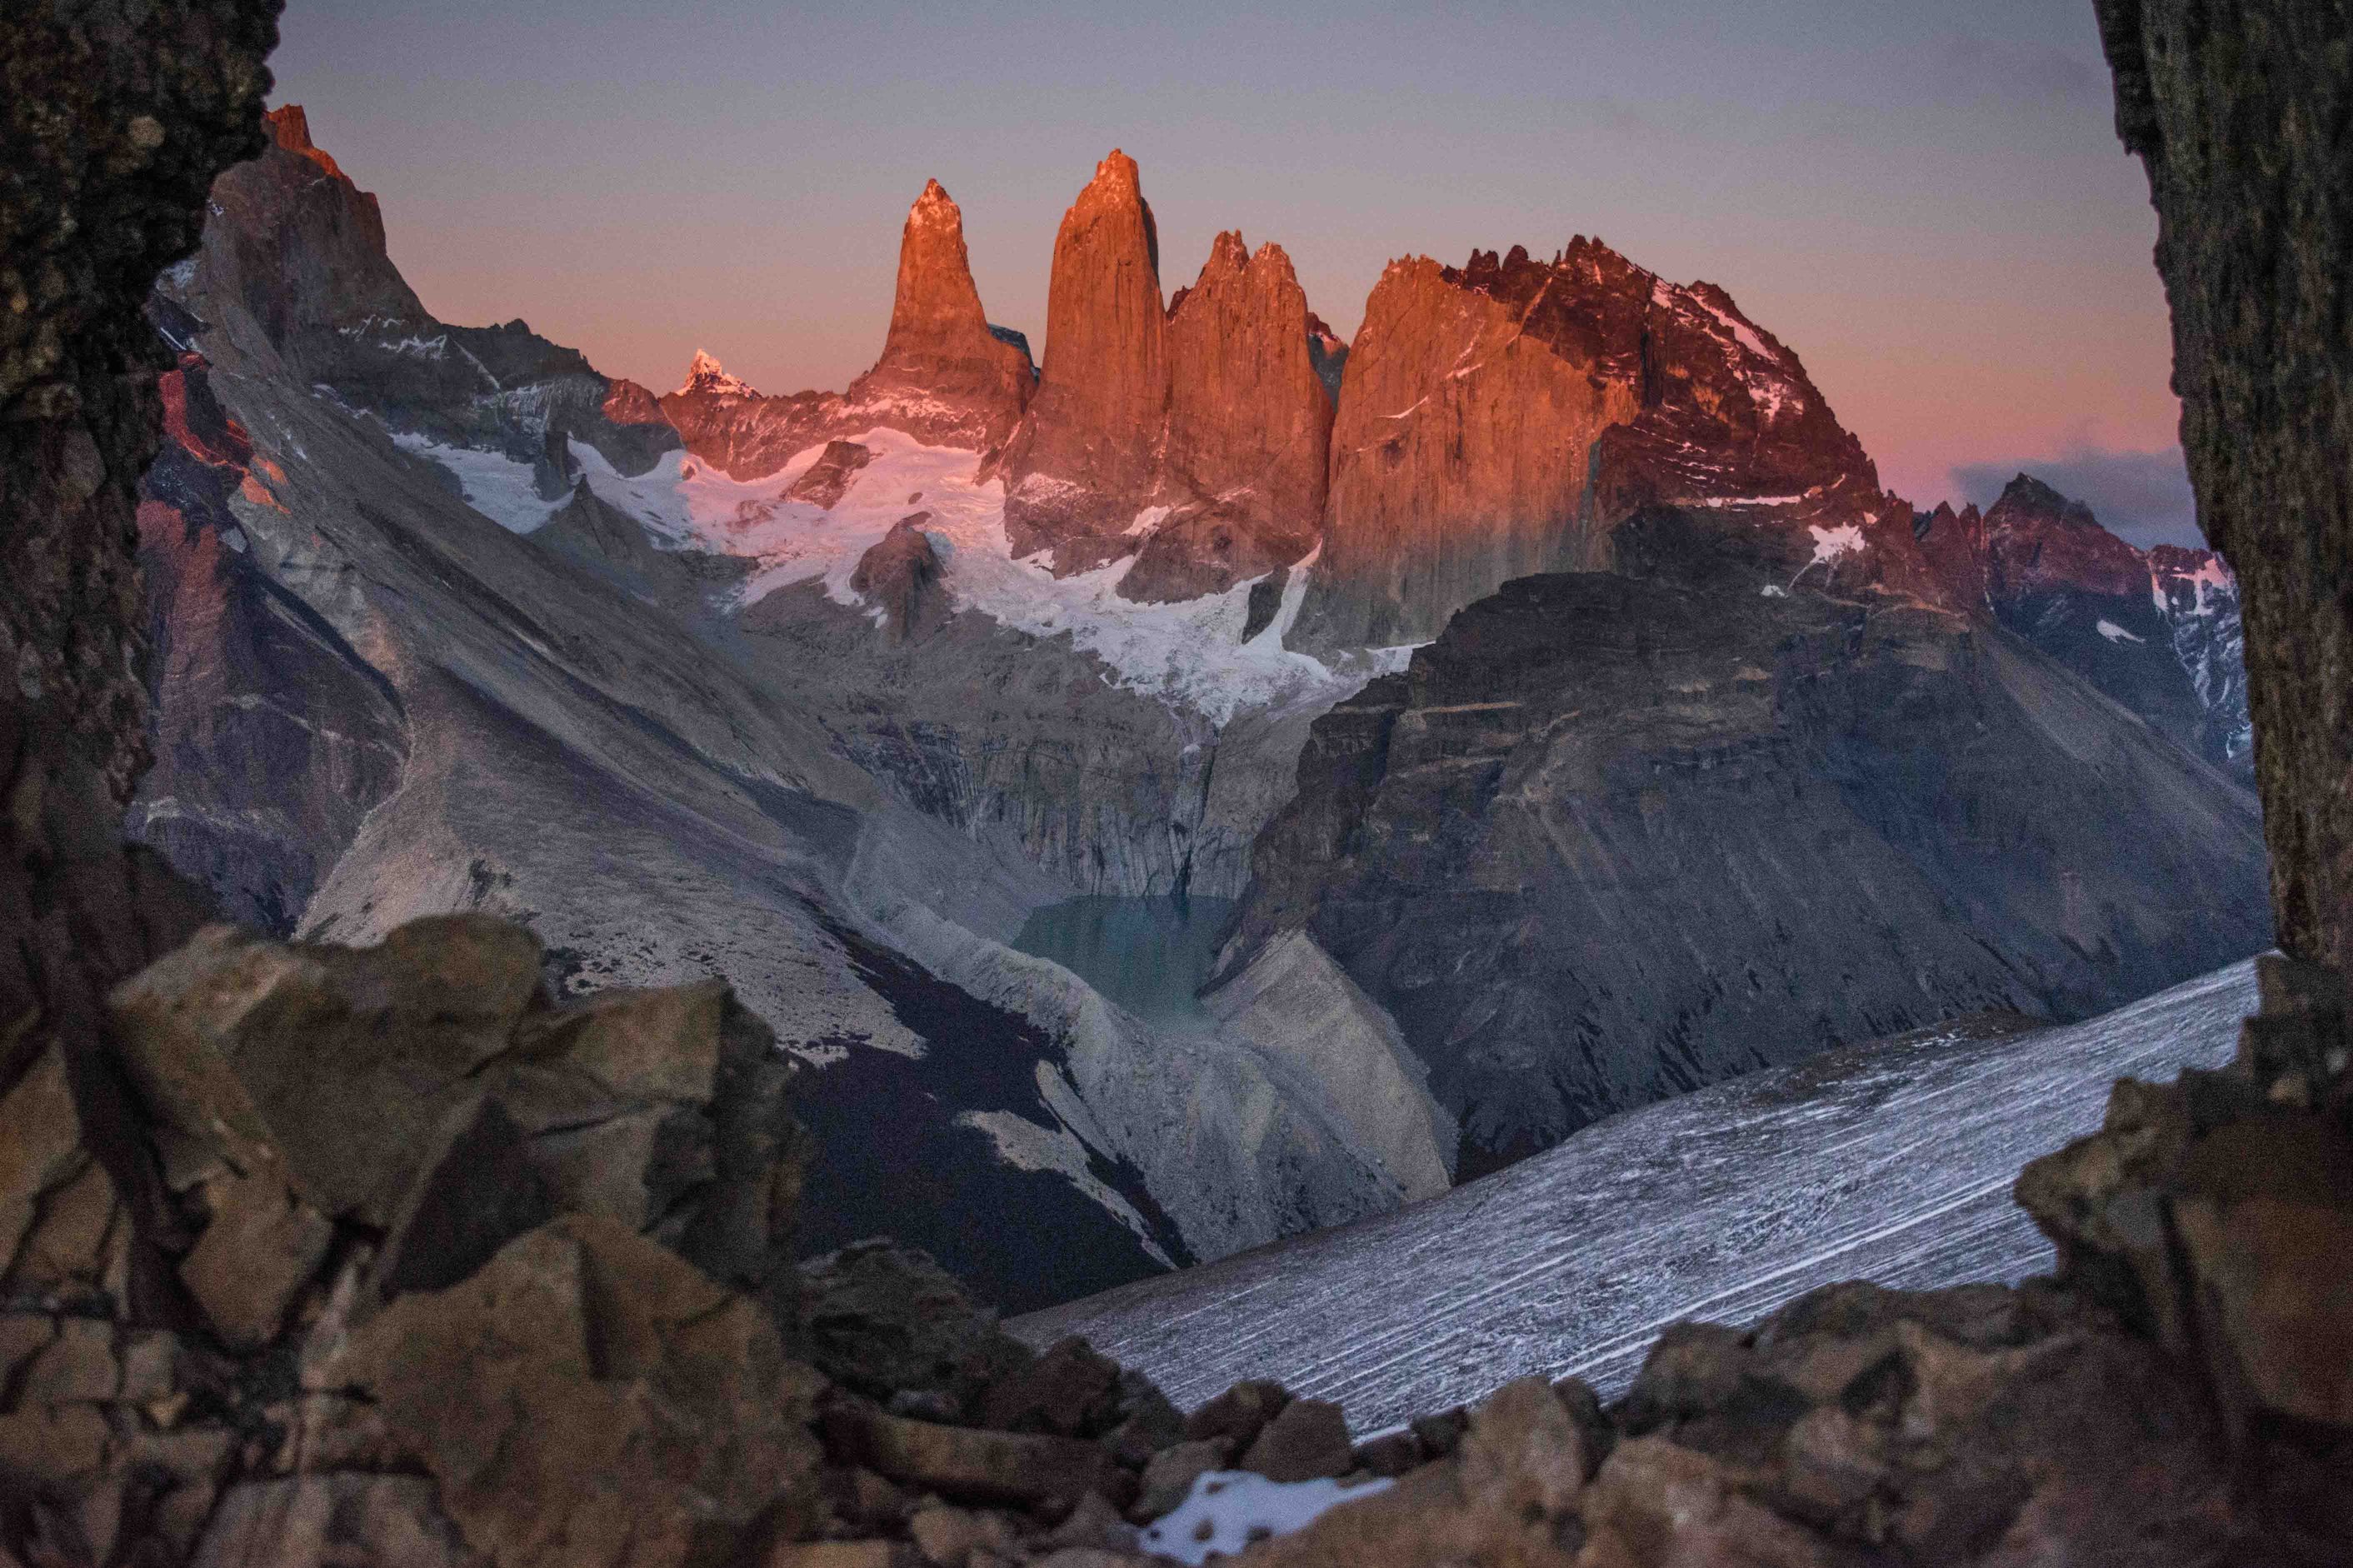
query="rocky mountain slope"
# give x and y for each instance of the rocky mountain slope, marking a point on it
(479, 660)
(802, 691)
(1610, 838)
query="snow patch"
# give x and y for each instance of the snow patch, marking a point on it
(1191, 651)
(2115, 633)
(501, 487)
(1227, 1509)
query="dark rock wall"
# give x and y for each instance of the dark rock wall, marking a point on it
(2243, 115)
(118, 117)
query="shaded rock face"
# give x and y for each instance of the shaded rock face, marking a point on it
(829, 478)
(272, 737)
(2233, 115)
(1589, 772)
(1249, 428)
(1084, 462)
(1504, 418)
(295, 275)
(944, 377)
(901, 575)
(2155, 630)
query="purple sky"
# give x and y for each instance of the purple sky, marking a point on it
(1926, 200)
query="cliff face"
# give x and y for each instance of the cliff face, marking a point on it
(1194, 439)
(2243, 123)
(1249, 428)
(943, 377)
(1506, 416)
(1610, 838)
(1086, 461)
(946, 378)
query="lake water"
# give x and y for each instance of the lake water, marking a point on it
(1148, 955)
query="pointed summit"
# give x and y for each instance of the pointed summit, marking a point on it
(1083, 462)
(706, 375)
(290, 128)
(943, 376)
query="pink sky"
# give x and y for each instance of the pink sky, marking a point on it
(1926, 201)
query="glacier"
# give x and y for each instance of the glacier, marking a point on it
(1890, 1163)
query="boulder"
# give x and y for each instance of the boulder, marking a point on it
(590, 1397)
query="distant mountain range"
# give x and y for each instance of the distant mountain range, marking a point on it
(1545, 671)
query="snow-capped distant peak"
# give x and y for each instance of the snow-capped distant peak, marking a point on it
(707, 375)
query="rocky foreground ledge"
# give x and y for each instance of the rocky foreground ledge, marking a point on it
(388, 1258)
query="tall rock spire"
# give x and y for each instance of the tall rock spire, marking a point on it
(1248, 429)
(1083, 463)
(943, 376)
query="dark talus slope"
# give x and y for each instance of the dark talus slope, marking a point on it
(1611, 838)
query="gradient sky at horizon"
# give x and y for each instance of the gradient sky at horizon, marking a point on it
(1926, 200)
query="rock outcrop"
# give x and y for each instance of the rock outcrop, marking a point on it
(1504, 418)
(1085, 461)
(944, 377)
(901, 575)
(1194, 439)
(1248, 430)
(1587, 771)
(2237, 115)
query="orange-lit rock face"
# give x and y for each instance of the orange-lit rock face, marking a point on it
(1084, 461)
(943, 377)
(1460, 454)
(1512, 415)
(1247, 433)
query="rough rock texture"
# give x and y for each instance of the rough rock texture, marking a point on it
(117, 121)
(1084, 462)
(294, 276)
(944, 377)
(2244, 120)
(1504, 418)
(901, 575)
(251, 794)
(1568, 848)
(1248, 429)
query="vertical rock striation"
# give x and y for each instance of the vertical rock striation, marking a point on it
(1248, 429)
(943, 377)
(1086, 461)
(1510, 415)
(2243, 116)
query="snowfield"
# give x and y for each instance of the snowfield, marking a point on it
(1892, 1163)
(1191, 652)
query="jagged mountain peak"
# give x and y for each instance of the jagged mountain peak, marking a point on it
(290, 128)
(704, 374)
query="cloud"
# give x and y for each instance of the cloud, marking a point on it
(2143, 496)
(2023, 73)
